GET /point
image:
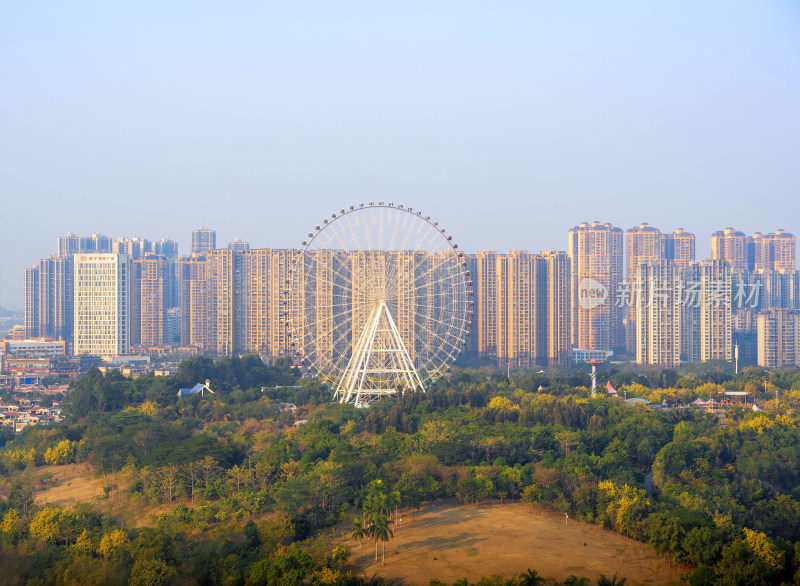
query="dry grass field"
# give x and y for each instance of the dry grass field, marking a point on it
(448, 542)
(67, 485)
(445, 541)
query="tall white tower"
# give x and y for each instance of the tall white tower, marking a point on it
(102, 304)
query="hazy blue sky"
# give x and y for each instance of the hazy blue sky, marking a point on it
(509, 122)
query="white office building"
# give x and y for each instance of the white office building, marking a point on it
(102, 304)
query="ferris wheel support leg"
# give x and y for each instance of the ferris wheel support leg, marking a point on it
(348, 379)
(367, 353)
(357, 365)
(365, 377)
(411, 375)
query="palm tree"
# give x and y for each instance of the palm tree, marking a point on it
(604, 580)
(359, 533)
(381, 532)
(531, 578)
(573, 580)
(393, 502)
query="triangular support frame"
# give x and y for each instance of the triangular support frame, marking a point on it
(380, 364)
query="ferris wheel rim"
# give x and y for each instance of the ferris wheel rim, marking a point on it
(320, 228)
(451, 248)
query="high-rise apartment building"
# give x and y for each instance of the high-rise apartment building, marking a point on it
(758, 252)
(227, 302)
(744, 324)
(237, 244)
(643, 244)
(173, 331)
(708, 294)
(49, 298)
(49, 287)
(203, 240)
(731, 246)
(774, 251)
(194, 302)
(522, 310)
(722, 297)
(409, 266)
(133, 247)
(72, 244)
(678, 247)
(237, 301)
(166, 248)
(778, 338)
(258, 302)
(552, 295)
(150, 287)
(283, 307)
(783, 248)
(32, 302)
(502, 287)
(516, 310)
(659, 314)
(776, 289)
(102, 311)
(472, 271)
(486, 303)
(367, 270)
(596, 253)
(748, 296)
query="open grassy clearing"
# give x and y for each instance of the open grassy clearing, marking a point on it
(449, 542)
(441, 541)
(67, 485)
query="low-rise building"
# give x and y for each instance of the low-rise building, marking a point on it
(35, 348)
(28, 412)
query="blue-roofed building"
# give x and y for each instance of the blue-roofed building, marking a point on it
(198, 388)
(638, 401)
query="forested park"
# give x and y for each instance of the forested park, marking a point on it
(267, 481)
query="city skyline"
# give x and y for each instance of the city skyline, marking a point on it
(639, 292)
(223, 242)
(499, 122)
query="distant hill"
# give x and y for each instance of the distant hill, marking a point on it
(5, 312)
(10, 318)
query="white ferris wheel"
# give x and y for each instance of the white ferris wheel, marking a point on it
(380, 302)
